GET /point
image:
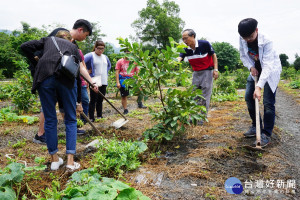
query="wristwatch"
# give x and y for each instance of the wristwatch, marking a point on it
(216, 70)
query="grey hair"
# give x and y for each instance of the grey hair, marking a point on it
(191, 32)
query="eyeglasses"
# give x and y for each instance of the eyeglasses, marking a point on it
(100, 48)
(185, 38)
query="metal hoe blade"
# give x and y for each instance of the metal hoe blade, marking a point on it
(119, 123)
(254, 148)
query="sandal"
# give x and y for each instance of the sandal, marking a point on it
(73, 167)
(56, 165)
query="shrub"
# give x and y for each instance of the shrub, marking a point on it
(180, 106)
(241, 76)
(224, 90)
(1, 74)
(21, 94)
(288, 73)
(223, 84)
(297, 63)
(295, 84)
(6, 90)
(155, 69)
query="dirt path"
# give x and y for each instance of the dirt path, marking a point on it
(288, 119)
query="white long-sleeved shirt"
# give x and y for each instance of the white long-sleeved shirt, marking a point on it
(269, 60)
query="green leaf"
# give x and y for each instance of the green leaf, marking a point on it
(173, 123)
(128, 194)
(118, 185)
(7, 193)
(103, 193)
(40, 167)
(39, 160)
(141, 146)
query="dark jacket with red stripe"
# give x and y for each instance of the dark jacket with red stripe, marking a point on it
(201, 58)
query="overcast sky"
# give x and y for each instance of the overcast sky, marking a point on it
(215, 20)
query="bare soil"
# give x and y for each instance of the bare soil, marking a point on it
(193, 166)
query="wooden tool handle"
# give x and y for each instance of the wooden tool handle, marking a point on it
(258, 134)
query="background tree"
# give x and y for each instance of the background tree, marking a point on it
(297, 63)
(158, 22)
(227, 55)
(6, 55)
(109, 49)
(283, 59)
(10, 46)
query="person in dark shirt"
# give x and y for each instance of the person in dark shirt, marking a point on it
(47, 84)
(204, 62)
(81, 29)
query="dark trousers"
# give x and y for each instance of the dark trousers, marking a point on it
(96, 101)
(269, 106)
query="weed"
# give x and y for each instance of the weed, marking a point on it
(7, 131)
(80, 140)
(33, 175)
(39, 161)
(19, 144)
(212, 197)
(44, 148)
(79, 123)
(113, 157)
(260, 155)
(61, 134)
(7, 114)
(101, 120)
(52, 176)
(20, 153)
(137, 112)
(154, 155)
(61, 141)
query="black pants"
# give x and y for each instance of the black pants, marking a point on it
(96, 100)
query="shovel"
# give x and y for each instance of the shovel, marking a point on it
(120, 122)
(91, 123)
(258, 134)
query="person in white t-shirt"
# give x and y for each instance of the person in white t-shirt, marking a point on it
(98, 66)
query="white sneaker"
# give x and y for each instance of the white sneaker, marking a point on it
(73, 167)
(56, 165)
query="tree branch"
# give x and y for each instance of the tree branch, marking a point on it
(161, 96)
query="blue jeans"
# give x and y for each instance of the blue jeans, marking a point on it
(269, 106)
(47, 91)
(85, 101)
